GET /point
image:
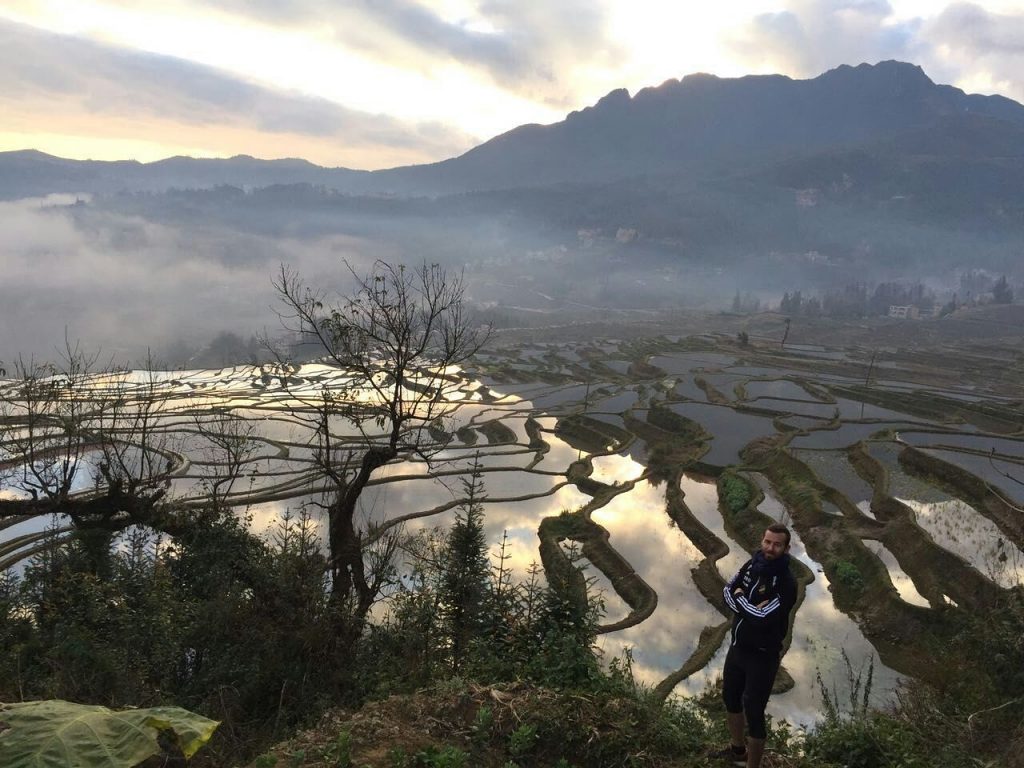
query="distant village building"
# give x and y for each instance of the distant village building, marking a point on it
(909, 312)
(625, 235)
(807, 198)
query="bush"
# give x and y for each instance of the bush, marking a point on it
(875, 741)
(849, 575)
(735, 492)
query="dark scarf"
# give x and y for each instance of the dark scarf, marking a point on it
(761, 566)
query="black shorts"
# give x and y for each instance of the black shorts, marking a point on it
(747, 683)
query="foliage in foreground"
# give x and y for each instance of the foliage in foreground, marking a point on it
(216, 621)
(459, 722)
(973, 719)
(59, 734)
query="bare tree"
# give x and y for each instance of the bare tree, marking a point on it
(397, 337)
(229, 443)
(80, 442)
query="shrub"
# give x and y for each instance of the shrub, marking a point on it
(522, 740)
(849, 575)
(875, 741)
(735, 492)
(448, 757)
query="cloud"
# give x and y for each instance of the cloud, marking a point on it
(963, 43)
(48, 74)
(558, 39)
(975, 31)
(812, 36)
(985, 48)
(530, 49)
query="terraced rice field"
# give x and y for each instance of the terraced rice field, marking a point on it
(904, 510)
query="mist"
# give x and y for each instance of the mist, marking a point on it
(165, 274)
(124, 283)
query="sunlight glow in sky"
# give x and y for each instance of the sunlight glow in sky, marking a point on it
(403, 81)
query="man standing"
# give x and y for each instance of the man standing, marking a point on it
(761, 595)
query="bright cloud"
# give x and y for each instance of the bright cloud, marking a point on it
(985, 47)
(394, 82)
(807, 37)
(978, 48)
(69, 86)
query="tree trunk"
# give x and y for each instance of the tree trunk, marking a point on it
(348, 575)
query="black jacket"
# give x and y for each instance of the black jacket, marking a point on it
(762, 608)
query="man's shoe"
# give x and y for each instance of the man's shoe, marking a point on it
(730, 754)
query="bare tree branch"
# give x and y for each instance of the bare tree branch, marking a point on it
(396, 336)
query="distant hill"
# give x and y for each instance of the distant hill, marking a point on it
(31, 173)
(701, 125)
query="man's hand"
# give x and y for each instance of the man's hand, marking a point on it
(737, 591)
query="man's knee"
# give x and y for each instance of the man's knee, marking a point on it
(733, 701)
(757, 727)
(734, 682)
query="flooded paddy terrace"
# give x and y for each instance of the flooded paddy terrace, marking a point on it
(631, 439)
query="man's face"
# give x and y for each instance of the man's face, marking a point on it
(773, 545)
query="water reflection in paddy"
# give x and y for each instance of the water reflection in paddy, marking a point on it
(608, 418)
(618, 403)
(514, 391)
(663, 556)
(732, 430)
(619, 366)
(831, 354)
(571, 395)
(856, 409)
(886, 453)
(686, 388)
(615, 469)
(984, 443)
(958, 527)
(1003, 475)
(845, 435)
(701, 498)
(821, 634)
(725, 383)
(903, 583)
(517, 519)
(833, 468)
(559, 454)
(770, 504)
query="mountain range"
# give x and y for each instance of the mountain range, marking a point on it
(701, 126)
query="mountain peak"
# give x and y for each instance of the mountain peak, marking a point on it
(701, 77)
(890, 68)
(617, 98)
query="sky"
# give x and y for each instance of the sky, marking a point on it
(381, 83)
